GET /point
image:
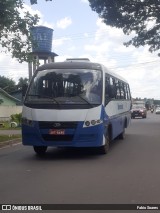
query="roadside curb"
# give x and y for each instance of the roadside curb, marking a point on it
(10, 142)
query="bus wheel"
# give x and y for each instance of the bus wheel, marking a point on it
(105, 148)
(40, 150)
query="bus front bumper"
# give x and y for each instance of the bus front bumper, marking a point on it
(79, 137)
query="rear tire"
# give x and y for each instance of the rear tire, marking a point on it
(40, 150)
(122, 135)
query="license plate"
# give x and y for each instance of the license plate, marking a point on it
(57, 132)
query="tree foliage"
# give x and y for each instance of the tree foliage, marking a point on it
(7, 84)
(22, 82)
(14, 28)
(35, 1)
(141, 17)
(10, 85)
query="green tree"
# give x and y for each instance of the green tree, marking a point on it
(7, 84)
(22, 82)
(1, 101)
(35, 1)
(14, 28)
(139, 16)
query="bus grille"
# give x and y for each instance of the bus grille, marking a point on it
(57, 125)
(47, 137)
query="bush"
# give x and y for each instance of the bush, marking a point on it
(17, 118)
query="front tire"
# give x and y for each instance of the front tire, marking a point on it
(105, 148)
(40, 150)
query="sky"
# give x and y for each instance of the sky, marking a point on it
(78, 33)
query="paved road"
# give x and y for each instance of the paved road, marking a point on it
(129, 173)
(10, 132)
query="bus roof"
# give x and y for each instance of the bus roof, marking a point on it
(79, 65)
(70, 65)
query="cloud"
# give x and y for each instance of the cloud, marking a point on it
(60, 41)
(86, 35)
(27, 8)
(64, 23)
(85, 1)
(137, 65)
(36, 12)
(112, 33)
(63, 58)
(72, 48)
(143, 77)
(11, 68)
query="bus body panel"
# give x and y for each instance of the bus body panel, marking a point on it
(82, 136)
(119, 116)
(62, 115)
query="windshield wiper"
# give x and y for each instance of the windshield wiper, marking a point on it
(85, 100)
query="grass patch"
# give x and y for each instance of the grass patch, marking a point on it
(7, 126)
(10, 128)
(4, 138)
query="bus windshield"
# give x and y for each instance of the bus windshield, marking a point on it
(57, 87)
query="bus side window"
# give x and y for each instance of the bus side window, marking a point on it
(125, 92)
(107, 84)
(122, 93)
(128, 92)
(110, 89)
(116, 83)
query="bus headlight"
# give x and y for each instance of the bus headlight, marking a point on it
(27, 122)
(87, 123)
(92, 123)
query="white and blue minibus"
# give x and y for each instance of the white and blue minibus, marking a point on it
(75, 104)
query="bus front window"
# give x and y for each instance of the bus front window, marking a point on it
(64, 86)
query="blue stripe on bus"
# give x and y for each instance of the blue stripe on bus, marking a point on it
(82, 137)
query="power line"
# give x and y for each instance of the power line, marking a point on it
(111, 68)
(137, 64)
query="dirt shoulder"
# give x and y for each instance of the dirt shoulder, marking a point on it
(10, 142)
(9, 137)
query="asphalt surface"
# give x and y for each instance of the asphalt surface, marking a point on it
(10, 132)
(128, 174)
